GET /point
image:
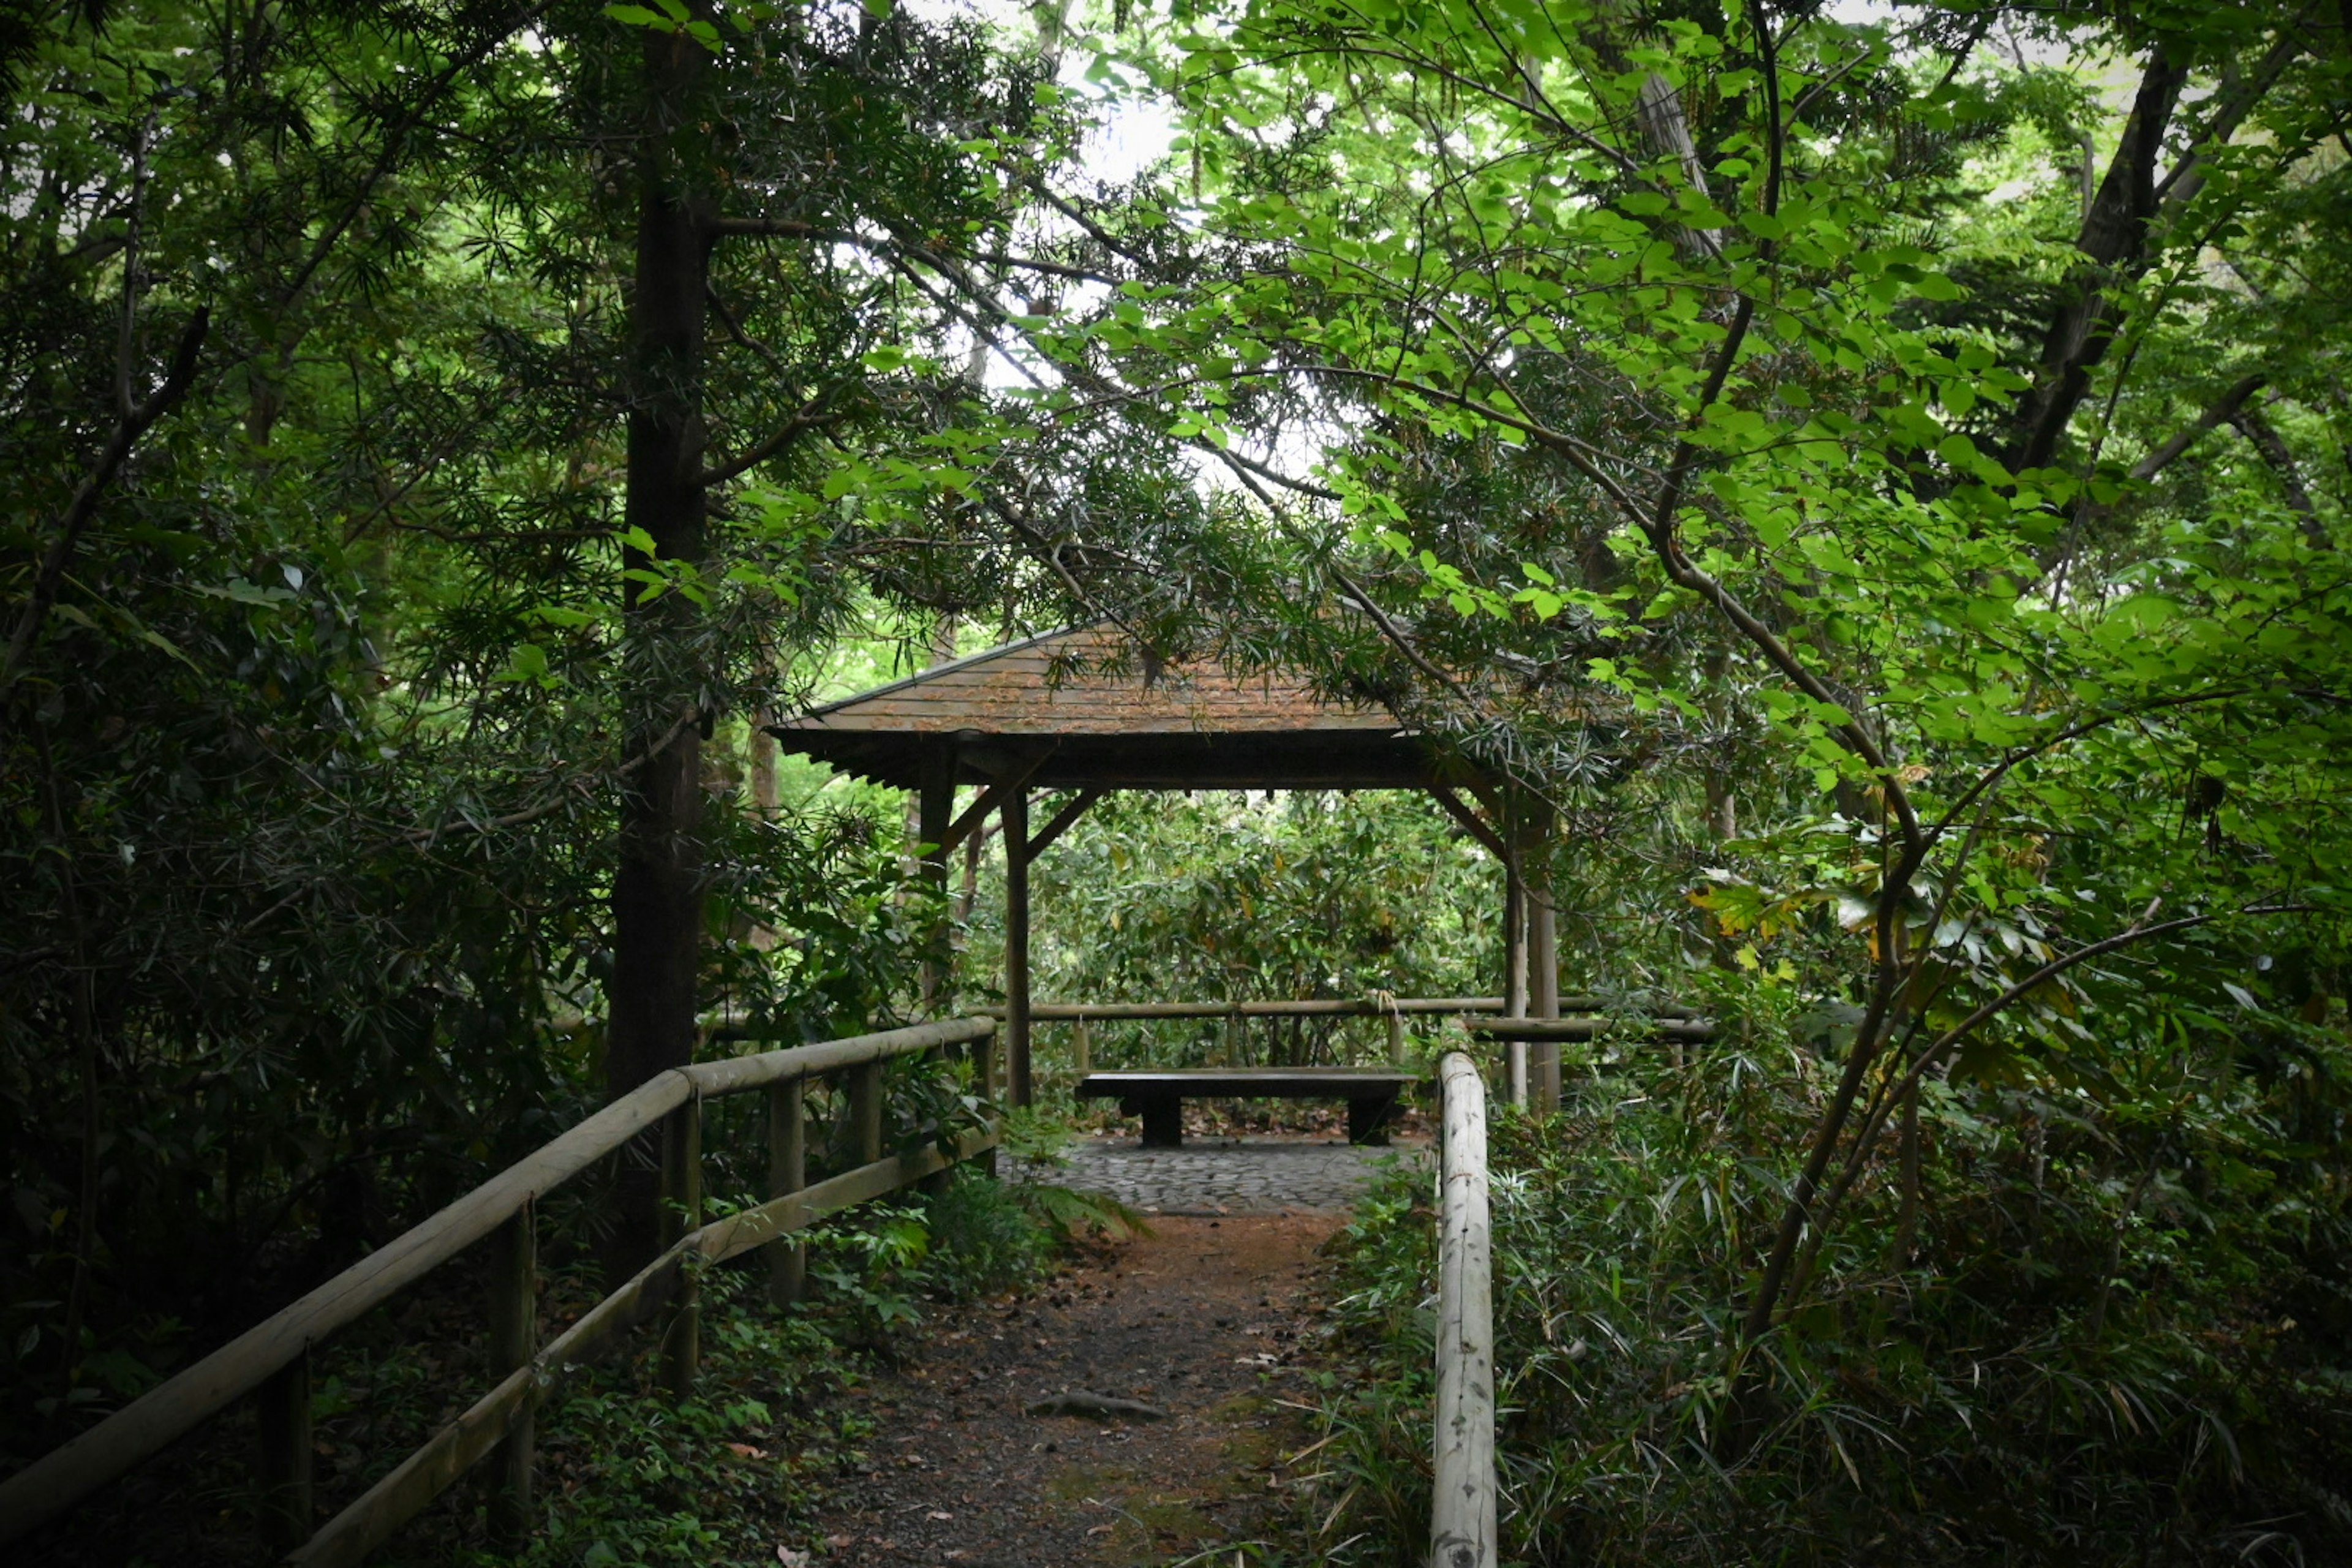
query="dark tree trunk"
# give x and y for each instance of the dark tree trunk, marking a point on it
(2114, 244)
(657, 886)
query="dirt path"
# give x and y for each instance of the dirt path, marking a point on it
(1200, 1319)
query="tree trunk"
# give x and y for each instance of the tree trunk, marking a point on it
(658, 884)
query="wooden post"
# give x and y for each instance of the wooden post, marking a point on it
(787, 1174)
(1021, 1085)
(937, 1181)
(934, 814)
(865, 1111)
(681, 1356)
(514, 1340)
(283, 1405)
(1462, 1522)
(1396, 1036)
(1235, 1042)
(1082, 1046)
(984, 1071)
(1515, 968)
(1543, 958)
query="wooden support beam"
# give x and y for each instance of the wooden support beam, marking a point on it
(1489, 795)
(1072, 809)
(1021, 1086)
(934, 804)
(787, 1174)
(1537, 823)
(1514, 976)
(1471, 823)
(514, 1340)
(990, 799)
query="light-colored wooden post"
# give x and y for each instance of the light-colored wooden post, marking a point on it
(681, 1173)
(514, 1340)
(1396, 1036)
(1461, 1523)
(787, 1174)
(283, 1406)
(1014, 815)
(1234, 1042)
(866, 1110)
(1082, 1046)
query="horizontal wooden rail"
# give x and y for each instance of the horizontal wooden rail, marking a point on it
(59, 1479)
(1462, 1518)
(1593, 1028)
(1320, 1008)
(1316, 1007)
(371, 1521)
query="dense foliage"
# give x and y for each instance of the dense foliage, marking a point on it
(2105, 1335)
(1871, 479)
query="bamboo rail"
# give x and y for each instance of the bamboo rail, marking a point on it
(1320, 1008)
(1589, 1028)
(272, 1358)
(1462, 1528)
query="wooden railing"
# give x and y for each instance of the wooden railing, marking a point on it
(272, 1360)
(1462, 1528)
(1395, 1009)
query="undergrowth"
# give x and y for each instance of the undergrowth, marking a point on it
(733, 1475)
(2122, 1332)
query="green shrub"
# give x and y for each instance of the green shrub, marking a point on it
(2121, 1333)
(984, 1238)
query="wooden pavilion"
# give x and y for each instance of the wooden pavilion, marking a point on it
(1074, 711)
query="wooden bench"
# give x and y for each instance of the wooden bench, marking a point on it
(1158, 1094)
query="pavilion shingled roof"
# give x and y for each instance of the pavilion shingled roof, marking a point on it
(1098, 717)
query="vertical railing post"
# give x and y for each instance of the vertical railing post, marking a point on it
(681, 1212)
(1082, 1046)
(1462, 1524)
(283, 1406)
(514, 1340)
(1396, 1034)
(866, 1110)
(935, 1183)
(787, 1174)
(983, 1070)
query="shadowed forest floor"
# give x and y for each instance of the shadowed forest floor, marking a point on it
(1205, 1319)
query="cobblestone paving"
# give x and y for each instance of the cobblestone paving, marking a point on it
(1227, 1176)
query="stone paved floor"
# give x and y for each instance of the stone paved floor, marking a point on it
(1227, 1175)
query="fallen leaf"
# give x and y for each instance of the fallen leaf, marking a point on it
(748, 1452)
(935, 1513)
(791, 1559)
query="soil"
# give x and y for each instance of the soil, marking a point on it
(1203, 1318)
